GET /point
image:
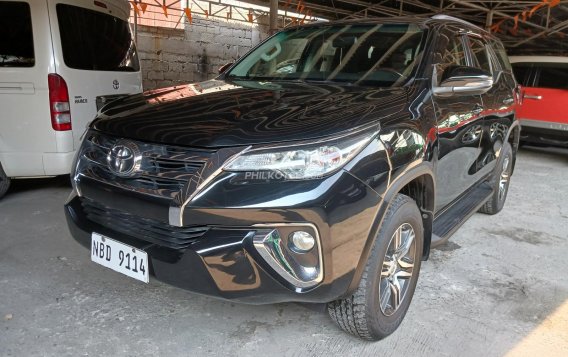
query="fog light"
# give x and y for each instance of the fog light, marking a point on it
(302, 242)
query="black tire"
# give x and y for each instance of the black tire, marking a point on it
(361, 314)
(504, 167)
(4, 182)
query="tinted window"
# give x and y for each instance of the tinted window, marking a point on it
(95, 41)
(382, 55)
(480, 54)
(453, 54)
(553, 75)
(16, 43)
(502, 56)
(522, 72)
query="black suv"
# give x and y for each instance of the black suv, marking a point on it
(320, 167)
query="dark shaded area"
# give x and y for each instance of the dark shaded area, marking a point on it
(16, 46)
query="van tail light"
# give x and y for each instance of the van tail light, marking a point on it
(59, 103)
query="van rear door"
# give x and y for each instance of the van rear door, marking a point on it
(94, 53)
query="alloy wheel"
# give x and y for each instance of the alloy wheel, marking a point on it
(504, 179)
(397, 269)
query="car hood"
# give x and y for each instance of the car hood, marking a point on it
(218, 113)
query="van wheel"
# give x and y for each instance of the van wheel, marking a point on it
(4, 182)
(500, 181)
(377, 307)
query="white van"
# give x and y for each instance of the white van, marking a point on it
(60, 61)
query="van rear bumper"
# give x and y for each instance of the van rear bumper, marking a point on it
(58, 163)
(37, 164)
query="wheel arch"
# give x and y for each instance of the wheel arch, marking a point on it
(418, 183)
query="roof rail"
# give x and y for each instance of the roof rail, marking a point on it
(448, 17)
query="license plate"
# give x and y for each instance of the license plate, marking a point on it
(119, 257)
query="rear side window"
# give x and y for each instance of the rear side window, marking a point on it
(16, 43)
(95, 41)
(552, 75)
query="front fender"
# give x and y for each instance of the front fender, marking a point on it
(420, 172)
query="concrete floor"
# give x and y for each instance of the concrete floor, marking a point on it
(500, 286)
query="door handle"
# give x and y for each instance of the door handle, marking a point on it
(530, 96)
(16, 88)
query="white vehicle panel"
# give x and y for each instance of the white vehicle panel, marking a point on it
(25, 123)
(29, 146)
(86, 85)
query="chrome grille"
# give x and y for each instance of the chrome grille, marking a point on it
(164, 170)
(149, 230)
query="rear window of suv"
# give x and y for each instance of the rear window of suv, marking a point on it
(95, 41)
(17, 44)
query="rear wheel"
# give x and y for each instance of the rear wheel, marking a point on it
(4, 182)
(500, 181)
(378, 306)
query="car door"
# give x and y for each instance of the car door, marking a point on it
(459, 124)
(25, 59)
(544, 100)
(498, 104)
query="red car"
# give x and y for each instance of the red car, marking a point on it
(544, 110)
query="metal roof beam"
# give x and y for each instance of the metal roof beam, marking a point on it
(558, 27)
(375, 7)
(321, 8)
(422, 5)
(495, 12)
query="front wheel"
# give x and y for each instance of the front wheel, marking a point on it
(4, 182)
(500, 181)
(378, 306)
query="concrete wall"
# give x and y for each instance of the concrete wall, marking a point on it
(194, 52)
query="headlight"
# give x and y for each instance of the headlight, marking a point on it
(303, 160)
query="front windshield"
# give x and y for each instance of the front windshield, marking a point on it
(382, 55)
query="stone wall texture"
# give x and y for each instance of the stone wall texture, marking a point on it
(195, 51)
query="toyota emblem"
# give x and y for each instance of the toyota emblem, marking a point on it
(115, 84)
(124, 159)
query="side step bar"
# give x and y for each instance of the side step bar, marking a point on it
(450, 220)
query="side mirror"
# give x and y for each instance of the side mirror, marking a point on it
(224, 67)
(463, 80)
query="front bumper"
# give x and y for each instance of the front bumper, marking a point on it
(224, 262)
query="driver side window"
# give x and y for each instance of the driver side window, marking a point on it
(453, 54)
(480, 55)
